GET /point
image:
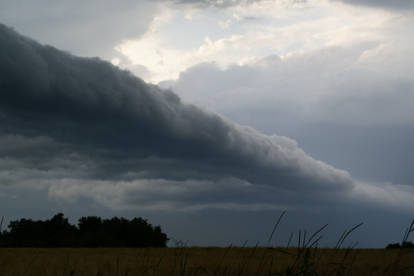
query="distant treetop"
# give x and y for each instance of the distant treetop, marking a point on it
(91, 231)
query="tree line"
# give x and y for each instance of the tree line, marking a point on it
(402, 245)
(91, 231)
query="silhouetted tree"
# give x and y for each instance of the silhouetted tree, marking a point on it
(90, 232)
(60, 232)
(405, 245)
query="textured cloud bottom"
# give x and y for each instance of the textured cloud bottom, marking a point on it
(82, 128)
(395, 4)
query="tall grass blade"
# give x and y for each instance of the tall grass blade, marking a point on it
(408, 231)
(1, 224)
(347, 233)
(275, 227)
(290, 239)
(339, 240)
(314, 235)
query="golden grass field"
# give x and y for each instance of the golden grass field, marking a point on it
(204, 261)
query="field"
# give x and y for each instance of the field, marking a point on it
(204, 261)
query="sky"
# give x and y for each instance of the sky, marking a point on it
(211, 117)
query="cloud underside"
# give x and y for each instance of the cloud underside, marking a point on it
(362, 84)
(82, 128)
(216, 3)
(395, 4)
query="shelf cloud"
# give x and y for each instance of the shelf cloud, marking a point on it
(82, 128)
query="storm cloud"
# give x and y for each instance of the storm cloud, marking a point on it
(215, 3)
(336, 84)
(395, 4)
(82, 128)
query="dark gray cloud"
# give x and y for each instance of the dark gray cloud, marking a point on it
(394, 4)
(83, 128)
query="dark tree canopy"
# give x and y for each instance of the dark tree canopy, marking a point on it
(90, 232)
(402, 245)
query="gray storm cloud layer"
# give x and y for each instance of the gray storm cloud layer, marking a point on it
(83, 128)
(389, 4)
(394, 4)
(216, 3)
(345, 90)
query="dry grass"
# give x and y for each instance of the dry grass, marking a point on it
(305, 259)
(204, 261)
